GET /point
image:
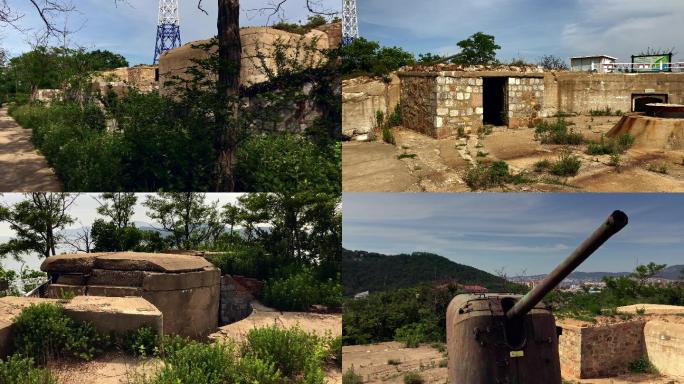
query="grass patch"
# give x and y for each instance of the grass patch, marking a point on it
(642, 365)
(393, 362)
(658, 167)
(413, 378)
(566, 165)
(542, 166)
(407, 156)
(443, 363)
(22, 370)
(557, 133)
(484, 176)
(351, 377)
(611, 146)
(607, 111)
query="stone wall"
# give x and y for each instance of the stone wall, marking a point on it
(362, 97)
(581, 92)
(459, 104)
(419, 103)
(525, 101)
(142, 78)
(237, 294)
(600, 351)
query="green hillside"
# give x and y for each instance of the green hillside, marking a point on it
(367, 271)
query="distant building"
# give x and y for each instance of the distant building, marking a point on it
(591, 63)
(475, 289)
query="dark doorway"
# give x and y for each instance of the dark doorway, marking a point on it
(495, 110)
(639, 101)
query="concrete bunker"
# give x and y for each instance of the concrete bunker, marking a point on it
(640, 100)
(185, 288)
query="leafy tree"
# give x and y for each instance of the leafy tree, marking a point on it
(190, 221)
(118, 207)
(101, 60)
(364, 56)
(429, 58)
(478, 49)
(36, 221)
(107, 237)
(645, 272)
(553, 63)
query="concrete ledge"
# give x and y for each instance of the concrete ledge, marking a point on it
(665, 346)
(652, 309)
(107, 314)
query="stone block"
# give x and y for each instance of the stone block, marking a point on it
(116, 278)
(114, 291)
(59, 291)
(71, 279)
(167, 282)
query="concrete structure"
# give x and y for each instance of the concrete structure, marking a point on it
(107, 314)
(362, 98)
(184, 288)
(651, 132)
(664, 343)
(142, 78)
(237, 294)
(652, 309)
(591, 63)
(258, 43)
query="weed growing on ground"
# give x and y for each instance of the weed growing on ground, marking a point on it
(542, 165)
(607, 111)
(443, 363)
(393, 362)
(659, 167)
(413, 378)
(566, 165)
(21, 370)
(614, 160)
(611, 146)
(642, 365)
(351, 377)
(407, 156)
(142, 342)
(557, 133)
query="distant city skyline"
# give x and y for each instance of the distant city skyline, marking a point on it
(521, 233)
(129, 28)
(527, 28)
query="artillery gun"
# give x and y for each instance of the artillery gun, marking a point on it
(512, 339)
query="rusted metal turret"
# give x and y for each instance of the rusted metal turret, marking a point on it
(506, 338)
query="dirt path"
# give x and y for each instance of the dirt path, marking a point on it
(22, 168)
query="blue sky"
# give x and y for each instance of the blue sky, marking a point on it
(527, 28)
(130, 29)
(518, 232)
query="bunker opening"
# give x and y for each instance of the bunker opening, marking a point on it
(514, 328)
(640, 100)
(495, 108)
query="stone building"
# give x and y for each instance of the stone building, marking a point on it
(442, 101)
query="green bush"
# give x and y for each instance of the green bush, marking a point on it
(335, 345)
(412, 335)
(379, 118)
(287, 162)
(483, 176)
(557, 133)
(43, 331)
(21, 370)
(292, 351)
(610, 146)
(413, 378)
(142, 342)
(541, 166)
(351, 377)
(300, 291)
(567, 165)
(394, 118)
(388, 136)
(642, 365)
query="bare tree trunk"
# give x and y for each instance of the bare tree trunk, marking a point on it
(228, 88)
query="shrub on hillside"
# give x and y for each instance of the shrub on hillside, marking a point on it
(287, 162)
(294, 352)
(299, 291)
(412, 335)
(566, 165)
(43, 331)
(351, 377)
(483, 176)
(142, 342)
(21, 370)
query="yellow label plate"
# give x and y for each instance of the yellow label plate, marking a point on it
(517, 353)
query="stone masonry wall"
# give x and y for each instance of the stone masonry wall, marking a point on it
(459, 104)
(237, 294)
(525, 101)
(600, 351)
(362, 98)
(419, 103)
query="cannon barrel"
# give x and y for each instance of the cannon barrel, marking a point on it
(614, 223)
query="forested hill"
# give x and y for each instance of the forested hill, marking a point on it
(367, 271)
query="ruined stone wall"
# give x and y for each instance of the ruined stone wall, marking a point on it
(459, 104)
(362, 98)
(419, 102)
(570, 350)
(237, 294)
(600, 351)
(581, 92)
(525, 101)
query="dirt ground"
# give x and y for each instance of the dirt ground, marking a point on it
(23, 168)
(110, 368)
(372, 362)
(440, 165)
